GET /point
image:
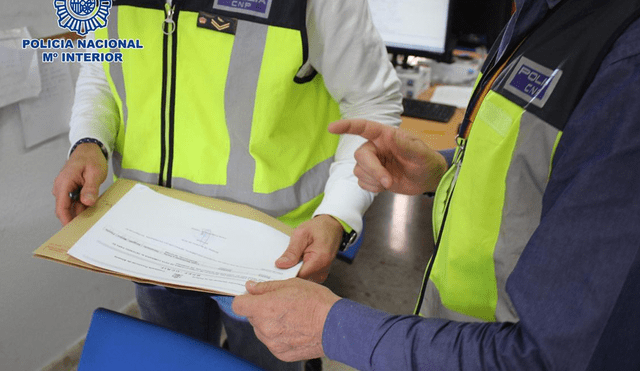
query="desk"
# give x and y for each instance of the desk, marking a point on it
(437, 135)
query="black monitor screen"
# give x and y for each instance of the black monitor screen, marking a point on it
(414, 27)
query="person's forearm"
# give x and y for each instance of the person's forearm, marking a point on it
(368, 339)
(94, 113)
(359, 76)
(343, 198)
(448, 155)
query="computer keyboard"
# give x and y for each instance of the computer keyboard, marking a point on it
(427, 110)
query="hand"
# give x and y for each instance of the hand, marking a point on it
(86, 168)
(316, 242)
(392, 159)
(287, 316)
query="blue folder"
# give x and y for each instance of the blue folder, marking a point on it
(119, 342)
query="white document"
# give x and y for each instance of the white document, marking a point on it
(156, 237)
(452, 95)
(48, 115)
(19, 75)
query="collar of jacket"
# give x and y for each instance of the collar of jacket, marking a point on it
(550, 3)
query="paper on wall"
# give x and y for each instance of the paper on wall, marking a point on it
(19, 73)
(47, 115)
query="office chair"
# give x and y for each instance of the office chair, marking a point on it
(119, 342)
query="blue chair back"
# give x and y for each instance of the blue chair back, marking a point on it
(119, 342)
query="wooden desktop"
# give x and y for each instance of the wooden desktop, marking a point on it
(438, 135)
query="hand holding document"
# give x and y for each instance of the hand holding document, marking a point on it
(150, 237)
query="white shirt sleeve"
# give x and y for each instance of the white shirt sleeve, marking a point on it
(346, 49)
(95, 112)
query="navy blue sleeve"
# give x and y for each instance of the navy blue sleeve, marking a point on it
(448, 155)
(576, 285)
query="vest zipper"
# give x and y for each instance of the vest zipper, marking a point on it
(167, 114)
(457, 162)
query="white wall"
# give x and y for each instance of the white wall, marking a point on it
(38, 15)
(45, 307)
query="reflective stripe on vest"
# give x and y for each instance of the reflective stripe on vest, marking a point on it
(243, 130)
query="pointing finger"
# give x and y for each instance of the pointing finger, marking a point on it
(370, 130)
(368, 159)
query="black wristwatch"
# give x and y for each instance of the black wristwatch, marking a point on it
(348, 238)
(91, 140)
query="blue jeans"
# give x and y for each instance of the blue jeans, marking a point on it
(197, 315)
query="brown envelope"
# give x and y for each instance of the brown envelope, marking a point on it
(57, 246)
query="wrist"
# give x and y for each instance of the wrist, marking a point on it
(331, 220)
(83, 141)
(436, 171)
(348, 234)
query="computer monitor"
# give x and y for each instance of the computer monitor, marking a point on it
(415, 27)
(478, 23)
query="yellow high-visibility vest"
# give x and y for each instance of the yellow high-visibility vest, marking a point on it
(216, 103)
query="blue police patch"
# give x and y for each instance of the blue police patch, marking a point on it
(257, 8)
(532, 82)
(82, 16)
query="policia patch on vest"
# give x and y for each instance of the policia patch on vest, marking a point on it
(256, 8)
(532, 82)
(217, 23)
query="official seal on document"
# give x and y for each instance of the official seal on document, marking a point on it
(82, 16)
